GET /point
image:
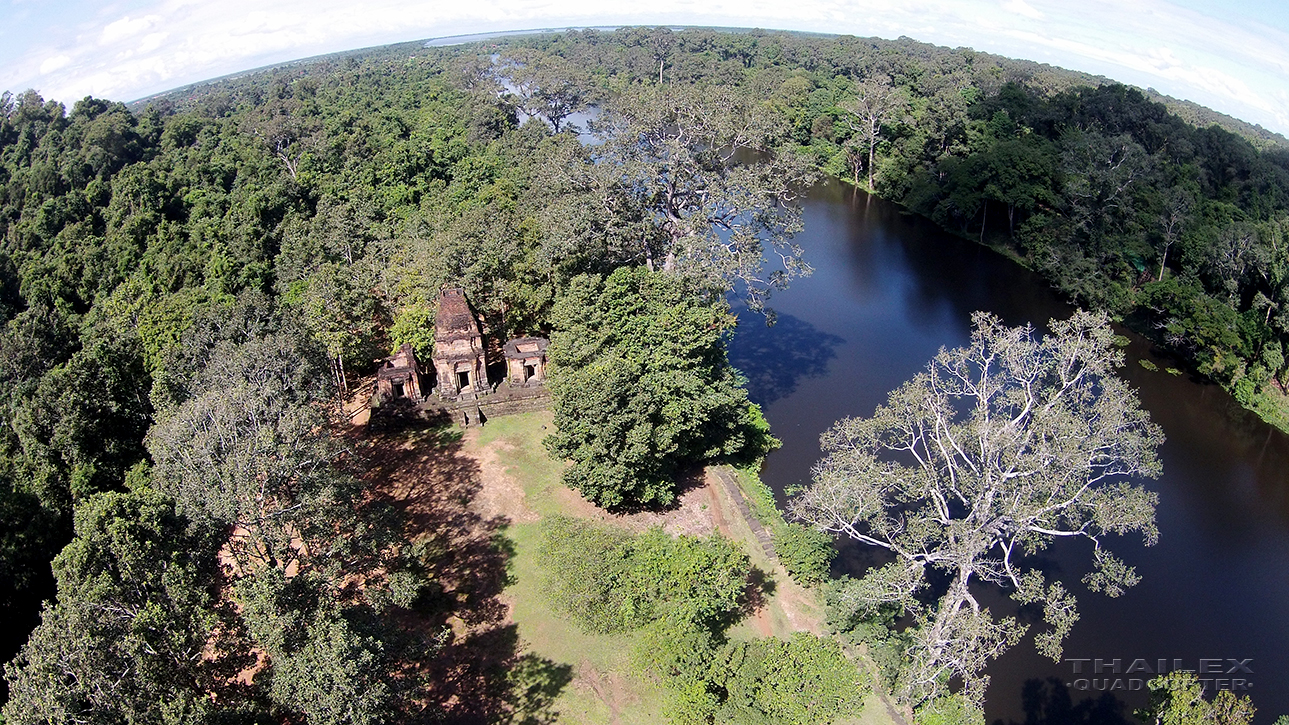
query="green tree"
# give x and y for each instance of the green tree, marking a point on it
(1019, 173)
(321, 663)
(995, 451)
(1177, 698)
(950, 710)
(806, 552)
(543, 85)
(642, 385)
(251, 454)
(138, 633)
(414, 325)
(701, 164)
(249, 450)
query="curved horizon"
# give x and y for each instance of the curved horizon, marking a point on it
(1237, 64)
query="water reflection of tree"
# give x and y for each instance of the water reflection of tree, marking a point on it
(1049, 702)
(775, 359)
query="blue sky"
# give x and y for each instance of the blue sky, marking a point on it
(1231, 56)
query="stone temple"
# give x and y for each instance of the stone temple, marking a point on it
(526, 361)
(460, 385)
(460, 359)
(399, 376)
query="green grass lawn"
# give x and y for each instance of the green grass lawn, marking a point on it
(605, 687)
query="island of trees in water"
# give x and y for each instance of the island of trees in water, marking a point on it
(187, 288)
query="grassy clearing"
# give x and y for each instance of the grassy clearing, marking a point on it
(605, 688)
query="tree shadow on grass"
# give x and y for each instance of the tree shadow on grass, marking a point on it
(467, 663)
(535, 682)
(760, 587)
(486, 679)
(1049, 702)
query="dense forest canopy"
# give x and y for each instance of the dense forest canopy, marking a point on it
(169, 266)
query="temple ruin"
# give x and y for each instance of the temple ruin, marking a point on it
(461, 388)
(526, 361)
(399, 376)
(460, 359)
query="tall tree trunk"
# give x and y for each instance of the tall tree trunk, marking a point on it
(872, 152)
(950, 606)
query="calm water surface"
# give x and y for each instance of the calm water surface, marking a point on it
(888, 291)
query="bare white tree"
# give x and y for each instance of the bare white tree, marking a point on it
(876, 103)
(974, 466)
(699, 164)
(1178, 205)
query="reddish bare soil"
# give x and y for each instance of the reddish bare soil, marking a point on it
(459, 499)
(427, 475)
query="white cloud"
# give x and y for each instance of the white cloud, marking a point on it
(151, 42)
(1020, 7)
(127, 27)
(55, 63)
(1238, 69)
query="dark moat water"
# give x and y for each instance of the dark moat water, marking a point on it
(888, 291)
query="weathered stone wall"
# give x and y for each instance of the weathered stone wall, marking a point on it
(525, 401)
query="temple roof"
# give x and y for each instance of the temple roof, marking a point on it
(399, 365)
(457, 355)
(525, 347)
(454, 318)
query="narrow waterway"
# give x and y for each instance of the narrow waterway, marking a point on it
(888, 291)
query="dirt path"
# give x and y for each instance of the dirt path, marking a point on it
(608, 688)
(714, 505)
(499, 494)
(433, 481)
(357, 406)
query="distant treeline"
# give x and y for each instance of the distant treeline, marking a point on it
(1121, 204)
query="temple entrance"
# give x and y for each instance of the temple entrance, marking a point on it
(397, 389)
(463, 380)
(530, 372)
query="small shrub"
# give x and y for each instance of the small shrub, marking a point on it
(608, 580)
(949, 710)
(1148, 365)
(806, 552)
(854, 620)
(803, 681)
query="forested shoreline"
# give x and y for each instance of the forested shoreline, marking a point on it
(189, 289)
(1119, 203)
